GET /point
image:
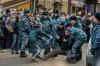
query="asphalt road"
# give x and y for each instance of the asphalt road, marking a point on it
(7, 59)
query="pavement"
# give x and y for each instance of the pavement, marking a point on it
(8, 59)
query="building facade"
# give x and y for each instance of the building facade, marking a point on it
(77, 7)
(62, 5)
(93, 6)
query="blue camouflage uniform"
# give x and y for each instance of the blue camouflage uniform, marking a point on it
(46, 24)
(24, 28)
(46, 27)
(55, 20)
(79, 37)
(95, 41)
(57, 32)
(77, 24)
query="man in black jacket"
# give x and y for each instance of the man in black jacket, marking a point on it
(65, 44)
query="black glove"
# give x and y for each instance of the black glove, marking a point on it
(92, 51)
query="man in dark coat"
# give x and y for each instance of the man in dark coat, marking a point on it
(65, 42)
(34, 47)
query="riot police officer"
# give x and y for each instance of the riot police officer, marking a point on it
(95, 40)
(24, 28)
(79, 36)
(75, 23)
(47, 27)
(56, 18)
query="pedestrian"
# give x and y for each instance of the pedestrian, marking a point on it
(3, 28)
(8, 23)
(63, 14)
(95, 40)
(14, 48)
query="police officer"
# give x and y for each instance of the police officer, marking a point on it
(24, 28)
(47, 27)
(56, 18)
(58, 31)
(79, 37)
(46, 22)
(34, 47)
(95, 40)
(75, 23)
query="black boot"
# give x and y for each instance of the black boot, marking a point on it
(16, 52)
(22, 54)
(12, 52)
(0, 48)
(73, 60)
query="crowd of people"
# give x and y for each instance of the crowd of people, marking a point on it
(64, 34)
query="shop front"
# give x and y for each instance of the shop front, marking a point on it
(77, 7)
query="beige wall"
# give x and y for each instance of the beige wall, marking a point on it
(48, 4)
(3, 1)
(24, 6)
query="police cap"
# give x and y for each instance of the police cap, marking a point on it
(26, 11)
(55, 11)
(45, 13)
(68, 24)
(73, 18)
